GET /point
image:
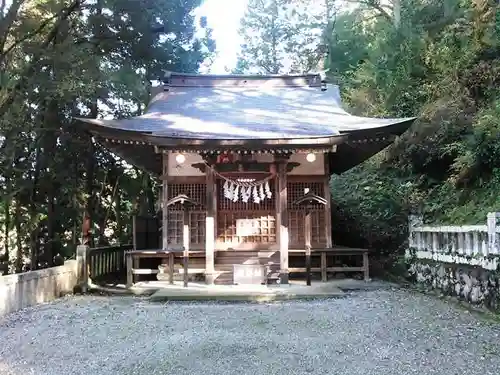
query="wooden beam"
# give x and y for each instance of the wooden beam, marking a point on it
(282, 216)
(210, 226)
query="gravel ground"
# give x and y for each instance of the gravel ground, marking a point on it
(381, 332)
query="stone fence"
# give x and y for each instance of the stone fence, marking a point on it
(26, 289)
(458, 260)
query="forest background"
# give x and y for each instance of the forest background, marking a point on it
(438, 60)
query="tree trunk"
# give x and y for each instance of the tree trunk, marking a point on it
(118, 215)
(19, 236)
(27, 72)
(397, 13)
(7, 230)
(87, 237)
(49, 143)
(33, 221)
(50, 245)
(7, 19)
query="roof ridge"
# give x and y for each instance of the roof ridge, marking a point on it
(173, 79)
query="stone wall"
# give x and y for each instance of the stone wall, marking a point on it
(472, 284)
(30, 288)
(461, 261)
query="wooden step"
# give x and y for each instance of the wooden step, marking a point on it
(248, 253)
(246, 259)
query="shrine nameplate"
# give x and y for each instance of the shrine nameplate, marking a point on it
(247, 227)
(250, 274)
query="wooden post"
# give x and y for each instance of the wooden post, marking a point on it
(282, 217)
(366, 266)
(210, 237)
(307, 236)
(82, 261)
(130, 275)
(164, 229)
(171, 259)
(136, 264)
(185, 243)
(324, 266)
(328, 206)
(134, 232)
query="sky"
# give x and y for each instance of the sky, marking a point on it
(223, 17)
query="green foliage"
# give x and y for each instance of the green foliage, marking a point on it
(442, 64)
(283, 36)
(74, 58)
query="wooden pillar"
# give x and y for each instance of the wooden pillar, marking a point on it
(324, 266)
(130, 266)
(134, 232)
(171, 261)
(366, 266)
(164, 230)
(185, 243)
(307, 236)
(328, 218)
(82, 261)
(211, 205)
(282, 217)
(328, 205)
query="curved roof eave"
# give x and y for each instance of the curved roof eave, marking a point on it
(105, 129)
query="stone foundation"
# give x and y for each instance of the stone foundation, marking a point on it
(475, 285)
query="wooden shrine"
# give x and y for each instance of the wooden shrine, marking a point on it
(254, 155)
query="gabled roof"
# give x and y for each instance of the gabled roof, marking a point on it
(206, 112)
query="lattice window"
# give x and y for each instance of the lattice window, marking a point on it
(196, 192)
(296, 214)
(296, 190)
(197, 214)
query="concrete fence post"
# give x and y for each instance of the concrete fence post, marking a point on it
(82, 257)
(492, 224)
(414, 220)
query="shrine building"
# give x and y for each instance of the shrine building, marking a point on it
(245, 151)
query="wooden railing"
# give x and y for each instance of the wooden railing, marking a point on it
(475, 245)
(107, 261)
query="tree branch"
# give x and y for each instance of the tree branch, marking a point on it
(27, 36)
(64, 14)
(374, 4)
(7, 21)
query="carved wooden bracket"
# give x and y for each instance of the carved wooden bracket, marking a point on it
(308, 199)
(183, 200)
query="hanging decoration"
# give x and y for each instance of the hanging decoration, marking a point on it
(244, 190)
